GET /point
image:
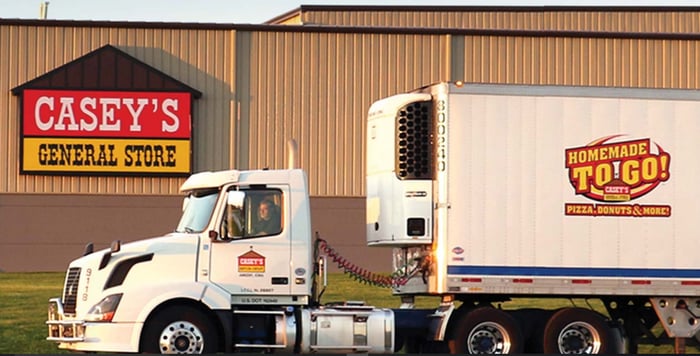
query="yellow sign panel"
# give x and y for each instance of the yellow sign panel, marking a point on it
(105, 155)
(258, 269)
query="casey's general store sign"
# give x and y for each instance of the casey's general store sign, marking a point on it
(77, 131)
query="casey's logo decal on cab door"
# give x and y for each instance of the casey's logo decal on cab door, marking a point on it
(251, 261)
(616, 171)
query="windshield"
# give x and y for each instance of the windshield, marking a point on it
(198, 210)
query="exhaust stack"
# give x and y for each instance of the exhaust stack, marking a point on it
(292, 153)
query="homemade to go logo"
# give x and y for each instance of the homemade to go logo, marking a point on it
(606, 170)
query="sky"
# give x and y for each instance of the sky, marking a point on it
(249, 11)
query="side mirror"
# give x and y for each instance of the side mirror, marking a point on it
(233, 225)
(185, 202)
(236, 199)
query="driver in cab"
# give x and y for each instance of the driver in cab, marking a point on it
(268, 219)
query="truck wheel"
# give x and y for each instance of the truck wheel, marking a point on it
(487, 330)
(578, 331)
(179, 330)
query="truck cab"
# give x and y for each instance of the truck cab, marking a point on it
(237, 274)
(255, 232)
(218, 258)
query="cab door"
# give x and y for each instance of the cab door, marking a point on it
(251, 255)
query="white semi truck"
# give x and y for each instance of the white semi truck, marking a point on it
(484, 193)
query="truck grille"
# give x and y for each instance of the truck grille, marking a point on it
(414, 137)
(70, 290)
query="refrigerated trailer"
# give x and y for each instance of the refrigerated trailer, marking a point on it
(485, 194)
(497, 192)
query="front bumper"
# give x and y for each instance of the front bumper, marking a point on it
(61, 330)
(79, 335)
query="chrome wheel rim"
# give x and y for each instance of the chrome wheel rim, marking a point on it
(579, 338)
(181, 337)
(488, 338)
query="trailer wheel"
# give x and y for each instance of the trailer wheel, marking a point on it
(487, 330)
(578, 331)
(179, 330)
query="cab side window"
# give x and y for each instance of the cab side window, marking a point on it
(256, 212)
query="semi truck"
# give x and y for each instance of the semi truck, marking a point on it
(483, 194)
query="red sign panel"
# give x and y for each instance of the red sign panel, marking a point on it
(79, 113)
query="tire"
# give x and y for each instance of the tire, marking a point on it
(179, 329)
(487, 330)
(578, 331)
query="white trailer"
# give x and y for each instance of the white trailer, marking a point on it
(503, 191)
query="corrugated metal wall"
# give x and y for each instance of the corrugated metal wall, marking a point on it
(263, 86)
(649, 63)
(199, 58)
(650, 20)
(317, 88)
(312, 86)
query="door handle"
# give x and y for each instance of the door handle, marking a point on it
(280, 280)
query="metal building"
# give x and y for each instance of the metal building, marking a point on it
(310, 75)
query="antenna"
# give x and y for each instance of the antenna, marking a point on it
(43, 10)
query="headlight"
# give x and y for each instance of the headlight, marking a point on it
(104, 310)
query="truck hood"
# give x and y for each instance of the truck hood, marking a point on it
(145, 262)
(173, 243)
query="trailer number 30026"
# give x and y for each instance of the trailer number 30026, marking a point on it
(441, 129)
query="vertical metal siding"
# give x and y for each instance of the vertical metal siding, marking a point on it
(8, 130)
(645, 63)
(262, 88)
(199, 58)
(558, 20)
(317, 87)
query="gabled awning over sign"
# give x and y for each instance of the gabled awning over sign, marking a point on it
(106, 113)
(107, 68)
